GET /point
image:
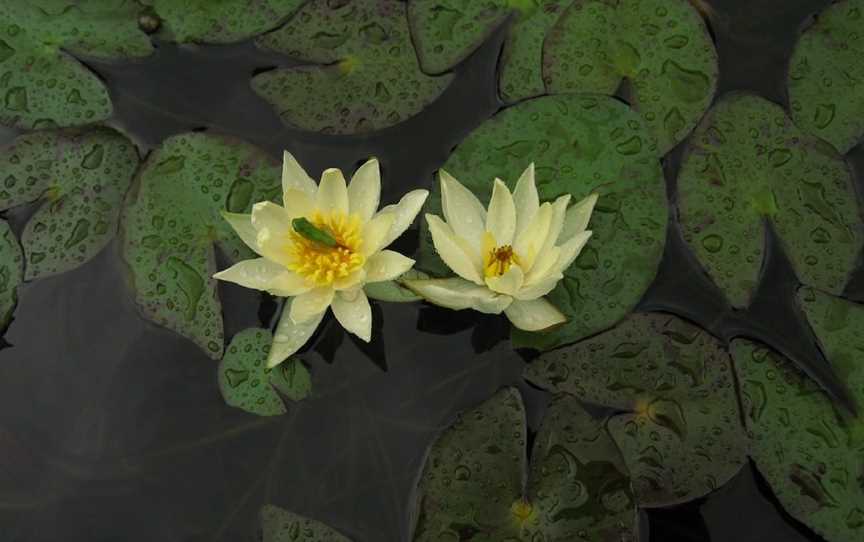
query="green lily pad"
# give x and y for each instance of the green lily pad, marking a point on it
(283, 526)
(679, 431)
(811, 454)
(580, 144)
(243, 374)
(11, 271)
(172, 220)
(364, 71)
(292, 379)
(661, 48)
(222, 21)
(473, 484)
(81, 176)
(825, 76)
(747, 163)
(392, 291)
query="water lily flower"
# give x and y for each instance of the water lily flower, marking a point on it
(320, 248)
(507, 257)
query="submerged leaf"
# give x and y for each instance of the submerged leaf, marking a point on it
(243, 374)
(282, 526)
(11, 271)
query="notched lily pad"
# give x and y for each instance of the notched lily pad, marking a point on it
(172, 221)
(580, 144)
(11, 271)
(81, 177)
(364, 71)
(748, 163)
(280, 525)
(679, 431)
(825, 76)
(472, 484)
(243, 374)
(661, 48)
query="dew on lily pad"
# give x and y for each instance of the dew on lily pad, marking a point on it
(11, 273)
(244, 377)
(280, 525)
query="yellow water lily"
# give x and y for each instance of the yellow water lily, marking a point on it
(320, 248)
(509, 256)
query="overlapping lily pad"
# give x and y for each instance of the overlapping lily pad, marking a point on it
(172, 221)
(747, 163)
(679, 431)
(580, 144)
(279, 525)
(364, 73)
(661, 48)
(81, 177)
(41, 85)
(826, 72)
(11, 271)
(243, 374)
(473, 484)
(811, 454)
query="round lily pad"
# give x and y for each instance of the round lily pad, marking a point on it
(281, 525)
(580, 144)
(473, 485)
(172, 220)
(11, 271)
(811, 455)
(364, 71)
(747, 163)
(661, 48)
(81, 177)
(243, 374)
(825, 76)
(679, 431)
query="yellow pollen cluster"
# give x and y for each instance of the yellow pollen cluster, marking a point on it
(320, 264)
(498, 261)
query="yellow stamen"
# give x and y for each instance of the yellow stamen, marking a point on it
(320, 264)
(497, 259)
(522, 509)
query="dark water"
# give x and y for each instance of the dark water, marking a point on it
(113, 429)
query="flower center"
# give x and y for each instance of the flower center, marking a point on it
(315, 256)
(522, 510)
(498, 260)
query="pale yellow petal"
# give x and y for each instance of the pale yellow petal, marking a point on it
(530, 240)
(545, 264)
(289, 284)
(462, 210)
(404, 214)
(571, 250)
(289, 336)
(353, 280)
(354, 313)
(332, 192)
(387, 265)
(501, 218)
(509, 283)
(308, 305)
(578, 216)
(297, 203)
(535, 315)
(455, 254)
(294, 177)
(258, 274)
(242, 224)
(364, 191)
(458, 294)
(559, 211)
(266, 215)
(540, 287)
(375, 232)
(526, 199)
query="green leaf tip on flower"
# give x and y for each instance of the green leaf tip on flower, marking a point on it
(313, 233)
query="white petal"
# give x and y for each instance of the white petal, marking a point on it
(354, 313)
(332, 192)
(456, 254)
(242, 224)
(578, 216)
(364, 192)
(509, 283)
(534, 315)
(571, 250)
(297, 203)
(539, 288)
(386, 265)
(289, 337)
(559, 211)
(526, 199)
(404, 214)
(501, 219)
(308, 305)
(530, 240)
(294, 177)
(375, 232)
(289, 284)
(462, 210)
(458, 294)
(258, 274)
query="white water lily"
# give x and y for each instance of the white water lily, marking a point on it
(320, 248)
(509, 256)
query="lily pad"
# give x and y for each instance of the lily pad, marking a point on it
(392, 291)
(580, 144)
(661, 48)
(292, 379)
(223, 21)
(172, 221)
(364, 73)
(679, 431)
(81, 177)
(11, 271)
(282, 526)
(243, 374)
(811, 454)
(825, 76)
(747, 163)
(473, 484)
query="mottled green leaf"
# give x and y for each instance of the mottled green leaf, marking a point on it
(473, 486)
(364, 73)
(826, 72)
(392, 291)
(748, 163)
(661, 48)
(292, 379)
(11, 271)
(679, 431)
(282, 526)
(243, 374)
(580, 144)
(172, 220)
(81, 177)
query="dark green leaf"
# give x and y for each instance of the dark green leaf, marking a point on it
(11, 271)
(292, 379)
(243, 374)
(283, 526)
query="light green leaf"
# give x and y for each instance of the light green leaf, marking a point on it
(364, 71)
(747, 163)
(81, 177)
(282, 526)
(243, 374)
(679, 431)
(11, 271)
(292, 378)
(172, 220)
(392, 291)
